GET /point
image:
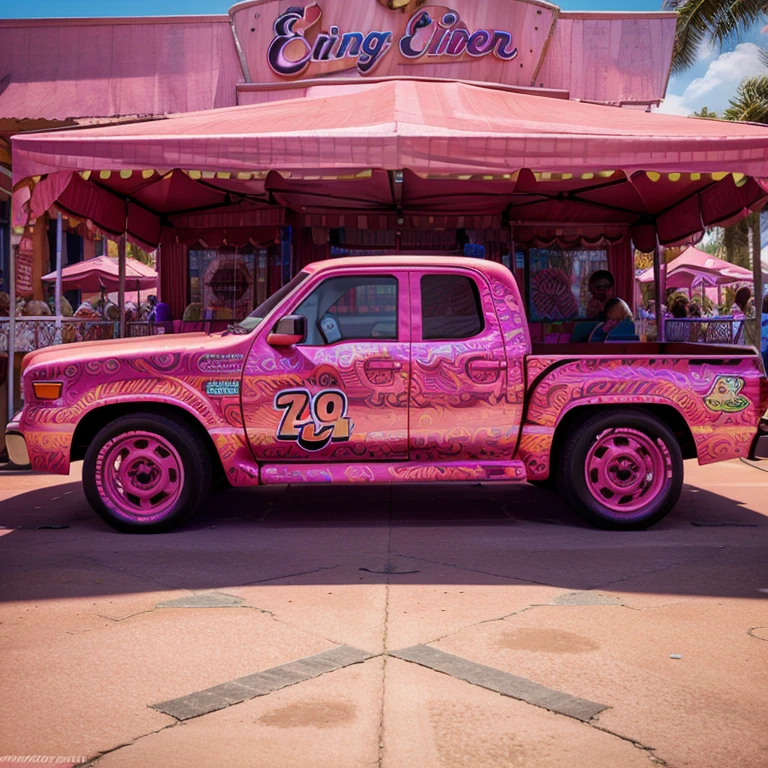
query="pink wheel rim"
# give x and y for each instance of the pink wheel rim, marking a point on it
(627, 470)
(139, 476)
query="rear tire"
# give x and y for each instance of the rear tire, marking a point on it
(146, 473)
(621, 469)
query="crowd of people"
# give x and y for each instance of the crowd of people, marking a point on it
(97, 319)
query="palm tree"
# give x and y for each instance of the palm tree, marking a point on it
(700, 21)
(751, 101)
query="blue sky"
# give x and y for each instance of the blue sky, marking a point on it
(53, 8)
(711, 82)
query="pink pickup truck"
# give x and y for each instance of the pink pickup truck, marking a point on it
(413, 370)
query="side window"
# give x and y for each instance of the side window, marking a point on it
(450, 307)
(347, 308)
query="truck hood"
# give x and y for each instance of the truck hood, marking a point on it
(188, 343)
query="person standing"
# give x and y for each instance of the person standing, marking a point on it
(602, 287)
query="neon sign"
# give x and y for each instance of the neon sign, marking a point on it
(431, 32)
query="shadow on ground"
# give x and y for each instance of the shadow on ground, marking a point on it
(710, 545)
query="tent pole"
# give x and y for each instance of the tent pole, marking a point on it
(121, 283)
(660, 286)
(11, 376)
(757, 271)
(57, 294)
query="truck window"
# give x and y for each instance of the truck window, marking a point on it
(450, 308)
(358, 307)
(257, 316)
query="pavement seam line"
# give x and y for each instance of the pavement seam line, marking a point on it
(518, 612)
(261, 683)
(477, 570)
(639, 745)
(524, 609)
(654, 571)
(500, 682)
(91, 762)
(385, 653)
(287, 576)
(140, 576)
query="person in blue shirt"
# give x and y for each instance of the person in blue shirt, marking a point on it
(619, 323)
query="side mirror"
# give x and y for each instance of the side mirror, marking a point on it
(288, 330)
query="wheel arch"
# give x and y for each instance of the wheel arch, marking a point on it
(667, 414)
(97, 418)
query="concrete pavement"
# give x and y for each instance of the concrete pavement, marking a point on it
(405, 626)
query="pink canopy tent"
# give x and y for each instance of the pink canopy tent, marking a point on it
(93, 275)
(424, 152)
(695, 267)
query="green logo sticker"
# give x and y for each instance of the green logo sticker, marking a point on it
(724, 396)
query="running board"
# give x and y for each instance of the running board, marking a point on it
(395, 472)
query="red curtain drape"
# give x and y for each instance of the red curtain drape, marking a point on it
(621, 262)
(173, 277)
(306, 249)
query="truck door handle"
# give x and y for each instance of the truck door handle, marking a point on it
(385, 365)
(488, 365)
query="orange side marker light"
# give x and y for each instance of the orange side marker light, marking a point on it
(47, 390)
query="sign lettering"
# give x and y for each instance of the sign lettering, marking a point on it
(432, 32)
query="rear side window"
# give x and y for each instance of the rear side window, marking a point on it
(450, 307)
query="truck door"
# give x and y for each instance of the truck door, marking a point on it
(459, 408)
(342, 393)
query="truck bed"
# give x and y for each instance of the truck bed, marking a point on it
(640, 349)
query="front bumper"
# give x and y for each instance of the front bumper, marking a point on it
(760, 443)
(17, 448)
(15, 443)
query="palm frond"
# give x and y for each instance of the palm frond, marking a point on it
(751, 101)
(717, 20)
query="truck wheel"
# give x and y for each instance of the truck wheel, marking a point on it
(146, 473)
(621, 469)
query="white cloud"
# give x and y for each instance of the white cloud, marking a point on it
(718, 85)
(707, 51)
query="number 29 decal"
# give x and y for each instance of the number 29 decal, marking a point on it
(313, 421)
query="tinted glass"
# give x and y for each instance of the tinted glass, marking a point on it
(450, 307)
(258, 314)
(347, 308)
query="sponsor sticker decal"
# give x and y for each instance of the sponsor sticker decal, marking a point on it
(313, 421)
(222, 388)
(725, 397)
(215, 363)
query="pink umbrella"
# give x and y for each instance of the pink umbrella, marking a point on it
(93, 275)
(695, 266)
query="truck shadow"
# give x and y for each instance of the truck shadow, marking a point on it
(53, 546)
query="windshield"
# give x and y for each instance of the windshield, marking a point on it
(257, 316)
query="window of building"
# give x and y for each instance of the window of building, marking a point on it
(558, 282)
(450, 307)
(347, 308)
(222, 282)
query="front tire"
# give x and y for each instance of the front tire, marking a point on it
(621, 469)
(146, 473)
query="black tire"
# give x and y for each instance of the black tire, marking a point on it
(192, 485)
(619, 424)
